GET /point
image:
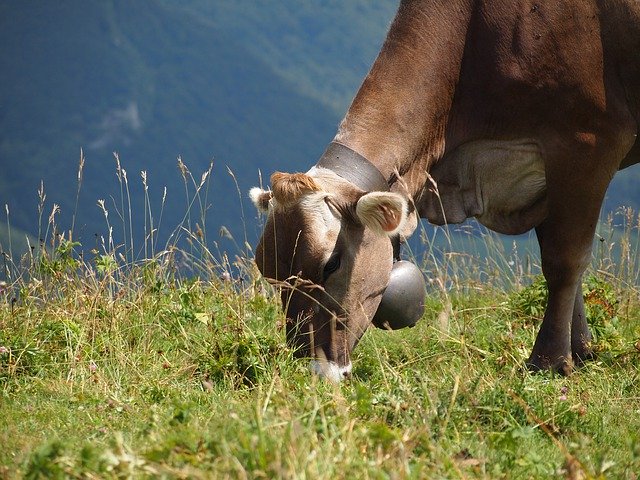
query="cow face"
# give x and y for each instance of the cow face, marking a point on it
(326, 244)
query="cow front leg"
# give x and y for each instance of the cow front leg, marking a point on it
(552, 348)
(562, 343)
(577, 176)
(564, 334)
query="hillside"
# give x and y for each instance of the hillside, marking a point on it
(252, 88)
(154, 81)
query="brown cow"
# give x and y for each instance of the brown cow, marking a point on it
(517, 113)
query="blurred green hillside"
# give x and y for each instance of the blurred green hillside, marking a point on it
(252, 86)
(245, 86)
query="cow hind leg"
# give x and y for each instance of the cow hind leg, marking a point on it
(581, 337)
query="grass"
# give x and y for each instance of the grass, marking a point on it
(116, 367)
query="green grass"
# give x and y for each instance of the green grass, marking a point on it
(137, 372)
(116, 367)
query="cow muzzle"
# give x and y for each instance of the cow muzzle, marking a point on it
(402, 303)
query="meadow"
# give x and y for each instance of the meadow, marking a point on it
(134, 360)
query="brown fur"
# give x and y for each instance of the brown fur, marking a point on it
(561, 78)
(467, 101)
(288, 187)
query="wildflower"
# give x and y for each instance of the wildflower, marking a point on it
(3, 350)
(563, 393)
(92, 366)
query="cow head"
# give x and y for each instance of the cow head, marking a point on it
(326, 243)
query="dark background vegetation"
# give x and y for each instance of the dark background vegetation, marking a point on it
(252, 86)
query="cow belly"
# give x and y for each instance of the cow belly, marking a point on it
(501, 183)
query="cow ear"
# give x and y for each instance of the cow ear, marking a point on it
(383, 212)
(260, 198)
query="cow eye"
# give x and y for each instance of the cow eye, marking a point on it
(331, 266)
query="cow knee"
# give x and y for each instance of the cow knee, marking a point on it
(561, 272)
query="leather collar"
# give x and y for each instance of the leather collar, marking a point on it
(356, 169)
(353, 167)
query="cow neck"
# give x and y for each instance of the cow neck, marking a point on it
(399, 117)
(353, 167)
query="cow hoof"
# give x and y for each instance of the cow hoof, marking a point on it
(540, 363)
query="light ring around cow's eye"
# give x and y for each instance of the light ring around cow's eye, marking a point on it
(331, 266)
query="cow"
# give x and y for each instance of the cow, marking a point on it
(517, 113)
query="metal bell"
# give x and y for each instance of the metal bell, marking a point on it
(402, 302)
